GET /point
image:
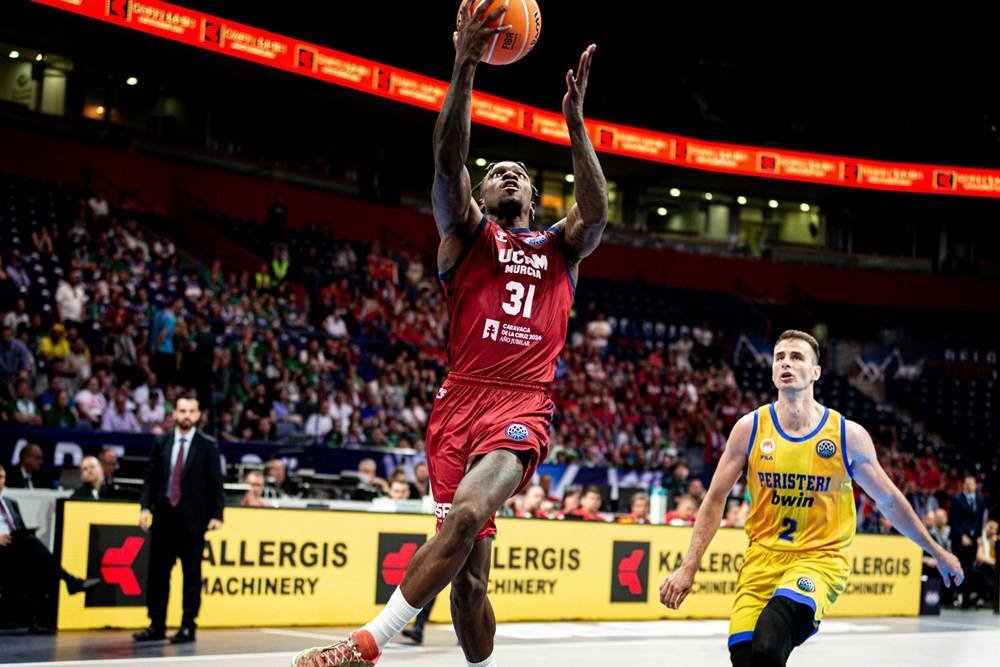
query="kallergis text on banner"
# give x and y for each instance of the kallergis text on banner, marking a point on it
(290, 567)
(306, 567)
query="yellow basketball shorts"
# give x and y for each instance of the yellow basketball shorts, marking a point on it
(813, 578)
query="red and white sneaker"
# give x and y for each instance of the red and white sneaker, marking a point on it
(358, 650)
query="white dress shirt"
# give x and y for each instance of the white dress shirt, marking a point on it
(6, 528)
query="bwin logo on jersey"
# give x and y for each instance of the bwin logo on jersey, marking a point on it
(517, 432)
(826, 449)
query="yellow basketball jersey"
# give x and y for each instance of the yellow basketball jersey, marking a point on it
(801, 496)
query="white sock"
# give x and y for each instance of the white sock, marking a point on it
(488, 662)
(392, 619)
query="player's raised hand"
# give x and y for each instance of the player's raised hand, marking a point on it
(576, 88)
(474, 32)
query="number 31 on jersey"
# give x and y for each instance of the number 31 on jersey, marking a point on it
(518, 303)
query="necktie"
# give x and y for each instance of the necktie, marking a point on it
(175, 480)
(6, 517)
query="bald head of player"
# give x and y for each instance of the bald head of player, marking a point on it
(795, 366)
(507, 196)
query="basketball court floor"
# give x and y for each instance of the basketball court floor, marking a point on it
(954, 639)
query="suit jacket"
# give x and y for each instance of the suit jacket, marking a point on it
(966, 519)
(202, 495)
(86, 492)
(15, 512)
(15, 480)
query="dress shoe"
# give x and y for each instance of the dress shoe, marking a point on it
(150, 634)
(184, 636)
(415, 633)
(39, 629)
(76, 585)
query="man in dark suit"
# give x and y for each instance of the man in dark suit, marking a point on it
(110, 488)
(966, 521)
(26, 563)
(27, 474)
(277, 475)
(182, 497)
(92, 478)
(109, 464)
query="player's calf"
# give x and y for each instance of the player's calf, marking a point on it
(741, 655)
(468, 591)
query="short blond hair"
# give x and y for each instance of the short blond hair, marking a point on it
(795, 334)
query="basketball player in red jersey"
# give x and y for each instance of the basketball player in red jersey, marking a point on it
(509, 292)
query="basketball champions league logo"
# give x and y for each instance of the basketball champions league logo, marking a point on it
(826, 449)
(518, 432)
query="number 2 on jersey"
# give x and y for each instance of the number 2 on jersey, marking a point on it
(790, 525)
(518, 299)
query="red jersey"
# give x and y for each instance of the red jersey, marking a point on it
(509, 298)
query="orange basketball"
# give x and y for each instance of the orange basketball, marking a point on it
(508, 47)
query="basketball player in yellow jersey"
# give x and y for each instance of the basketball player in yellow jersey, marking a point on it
(800, 458)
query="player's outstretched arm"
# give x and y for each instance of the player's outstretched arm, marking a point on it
(731, 465)
(585, 221)
(870, 476)
(454, 209)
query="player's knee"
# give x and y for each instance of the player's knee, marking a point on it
(463, 524)
(778, 631)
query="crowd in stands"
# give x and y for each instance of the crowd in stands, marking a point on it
(130, 325)
(105, 323)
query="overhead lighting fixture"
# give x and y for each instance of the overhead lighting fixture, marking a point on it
(39, 58)
(100, 111)
(481, 162)
(708, 196)
(131, 81)
(570, 178)
(804, 208)
(662, 212)
(14, 55)
(773, 203)
(674, 192)
(741, 200)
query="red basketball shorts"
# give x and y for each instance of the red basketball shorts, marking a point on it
(473, 417)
